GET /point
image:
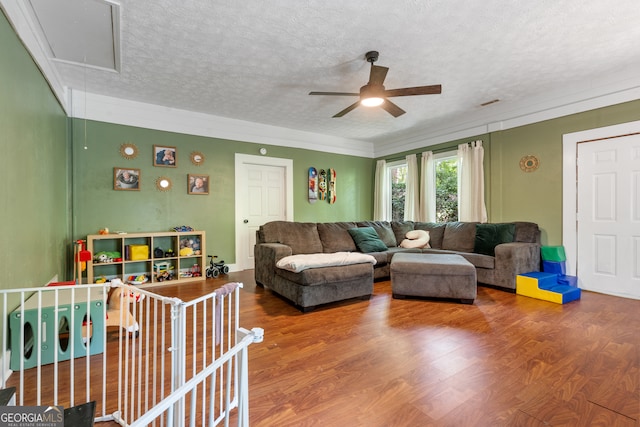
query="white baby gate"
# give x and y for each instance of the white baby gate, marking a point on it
(145, 359)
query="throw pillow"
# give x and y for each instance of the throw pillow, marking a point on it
(488, 236)
(384, 230)
(416, 239)
(367, 240)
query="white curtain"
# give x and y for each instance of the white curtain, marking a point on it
(382, 193)
(412, 195)
(427, 188)
(471, 206)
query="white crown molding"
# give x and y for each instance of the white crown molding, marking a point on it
(132, 113)
(20, 17)
(622, 88)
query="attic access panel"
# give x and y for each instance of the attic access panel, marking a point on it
(84, 32)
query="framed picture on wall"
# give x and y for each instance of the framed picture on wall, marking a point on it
(198, 184)
(164, 156)
(126, 179)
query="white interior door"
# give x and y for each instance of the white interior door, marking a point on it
(609, 215)
(263, 193)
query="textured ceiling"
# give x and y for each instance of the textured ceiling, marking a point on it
(257, 60)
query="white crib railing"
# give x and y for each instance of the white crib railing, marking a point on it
(165, 356)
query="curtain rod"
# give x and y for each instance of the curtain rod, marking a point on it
(440, 150)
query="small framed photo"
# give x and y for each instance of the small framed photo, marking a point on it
(164, 156)
(126, 179)
(198, 184)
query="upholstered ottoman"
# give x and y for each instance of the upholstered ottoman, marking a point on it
(434, 276)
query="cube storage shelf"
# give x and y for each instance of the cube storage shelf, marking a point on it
(181, 264)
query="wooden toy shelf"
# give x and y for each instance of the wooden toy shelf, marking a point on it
(181, 266)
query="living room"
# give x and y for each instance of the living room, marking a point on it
(57, 173)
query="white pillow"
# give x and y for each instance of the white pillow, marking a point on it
(416, 239)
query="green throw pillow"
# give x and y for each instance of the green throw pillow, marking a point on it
(488, 236)
(367, 240)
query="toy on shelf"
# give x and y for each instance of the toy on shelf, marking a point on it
(196, 270)
(182, 228)
(107, 256)
(140, 279)
(190, 246)
(163, 271)
(215, 268)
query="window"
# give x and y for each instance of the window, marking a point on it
(443, 187)
(446, 187)
(398, 177)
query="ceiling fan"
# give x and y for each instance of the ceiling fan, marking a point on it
(373, 94)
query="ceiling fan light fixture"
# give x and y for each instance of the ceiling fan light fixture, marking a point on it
(373, 101)
(374, 94)
(371, 95)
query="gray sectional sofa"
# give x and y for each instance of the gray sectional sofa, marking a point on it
(498, 251)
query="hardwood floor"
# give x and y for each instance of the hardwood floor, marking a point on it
(506, 360)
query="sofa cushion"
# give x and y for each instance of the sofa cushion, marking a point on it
(384, 230)
(488, 236)
(302, 237)
(390, 253)
(400, 229)
(479, 260)
(335, 236)
(459, 236)
(382, 258)
(327, 275)
(527, 232)
(436, 232)
(367, 240)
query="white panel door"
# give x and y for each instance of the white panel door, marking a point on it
(609, 216)
(263, 187)
(265, 201)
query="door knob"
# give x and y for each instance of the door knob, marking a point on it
(246, 221)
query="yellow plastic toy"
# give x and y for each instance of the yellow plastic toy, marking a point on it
(546, 286)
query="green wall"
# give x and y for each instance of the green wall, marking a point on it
(55, 190)
(537, 196)
(514, 195)
(34, 171)
(97, 205)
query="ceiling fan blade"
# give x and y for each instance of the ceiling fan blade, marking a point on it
(418, 90)
(392, 108)
(377, 75)
(335, 93)
(349, 108)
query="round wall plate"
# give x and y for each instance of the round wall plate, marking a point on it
(529, 163)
